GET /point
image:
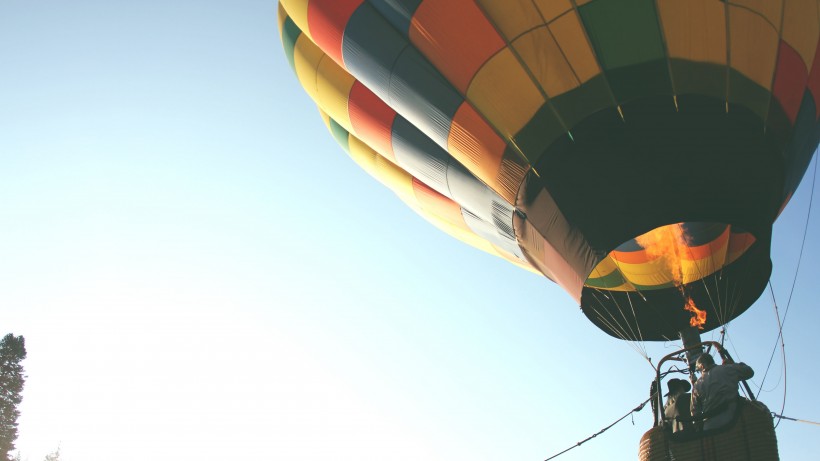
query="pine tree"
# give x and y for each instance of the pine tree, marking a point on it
(12, 379)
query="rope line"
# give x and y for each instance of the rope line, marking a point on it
(782, 321)
(634, 410)
(775, 415)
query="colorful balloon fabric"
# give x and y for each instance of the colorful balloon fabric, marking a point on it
(564, 135)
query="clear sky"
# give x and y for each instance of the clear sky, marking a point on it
(201, 273)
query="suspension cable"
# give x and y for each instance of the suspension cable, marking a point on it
(779, 340)
(794, 280)
(634, 410)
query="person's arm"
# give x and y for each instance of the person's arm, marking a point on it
(741, 370)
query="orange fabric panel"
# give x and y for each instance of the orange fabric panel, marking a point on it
(511, 17)
(546, 62)
(476, 145)
(770, 10)
(704, 251)
(753, 46)
(456, 37)
(551, 9)
(505, 94)
(571, 38)
(439, 205)
(691, 253)
(695, 30)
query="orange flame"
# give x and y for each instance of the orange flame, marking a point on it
(699, 317)
(669, 244)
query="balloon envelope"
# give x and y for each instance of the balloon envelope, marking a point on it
(556, 134)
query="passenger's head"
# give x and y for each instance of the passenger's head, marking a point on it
(678, 386)
(704, 362)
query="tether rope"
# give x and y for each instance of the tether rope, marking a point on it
(775, 415)
(634, 410)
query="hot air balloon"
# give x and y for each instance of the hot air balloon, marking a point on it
(635, 152)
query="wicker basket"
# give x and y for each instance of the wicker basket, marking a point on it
(749, 437)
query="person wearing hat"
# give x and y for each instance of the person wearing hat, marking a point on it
(715, 395)
(678, 401)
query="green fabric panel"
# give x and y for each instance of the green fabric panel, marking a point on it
(745, 92)
(543, 128)
(340, 134)
(613, 279)
(641, 80)
(623, 32)
(699, 78)
(290, 33)
(577, 104)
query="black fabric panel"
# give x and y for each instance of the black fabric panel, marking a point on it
(542, 129)
(588, 98)
(704, 78)
(542, 212)
(804, 143)
(397, 12)
(746, 92)
(640, 80)
(620, 179)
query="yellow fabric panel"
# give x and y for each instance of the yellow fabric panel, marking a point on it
(605, 267)
(753, 46)
(569, 33)
(298, 12)
(459, 233)
(387, 173)
(656, 272)
(511, 17)
(401, 183)
(333, 90)
(582, 2)
(542, 56)
(648, 274)
(504, 93)
(551, 9)
(801, 28)
(695, 29)
(281, 15)
(770, 10)
(325, 118)
(306, 59)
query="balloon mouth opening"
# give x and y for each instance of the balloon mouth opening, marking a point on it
(672, 255)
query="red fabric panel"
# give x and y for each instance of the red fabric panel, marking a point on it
(790, 80)
(631, 257)
(372, 119)
(814, 80)
(327, 20)
(695, 253)
(740, 242)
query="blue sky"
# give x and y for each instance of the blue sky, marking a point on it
(201, 273)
